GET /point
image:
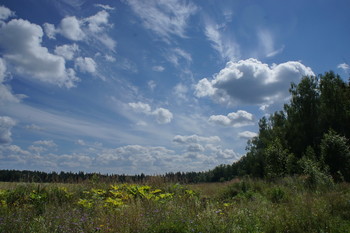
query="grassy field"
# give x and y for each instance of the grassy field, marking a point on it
(286, 205)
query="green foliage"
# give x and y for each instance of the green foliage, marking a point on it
(315, 177)
(276, 159)
(335, 153)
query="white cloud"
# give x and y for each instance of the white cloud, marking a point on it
(195, 139)
(128, 65)
(175, 56)
(21, 43)
(6, 95)
(152, 84)
(252, 82)
(165, 17)
(234, 119)
(162, 115)
(97, 22)
(107, 41)
(195, 147)
(158, 68)
(223, 44)
(67, 51)
(180, 90)
(5, 13)
(50, 30)
(140, 107)
(247, 134)
(2, 70)
(88, 29)
(80, 142)
(70, 27)
(6, 124)
(344, 66)
(110, 58)
(85, 64)
(47, 143)
(105, 7)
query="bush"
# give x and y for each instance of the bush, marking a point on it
(315, 177)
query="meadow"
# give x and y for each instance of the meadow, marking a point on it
(245, 205)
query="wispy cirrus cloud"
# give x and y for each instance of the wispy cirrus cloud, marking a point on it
(223, 43)
(267, 43)
(167, 18)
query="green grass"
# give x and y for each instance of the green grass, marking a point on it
(286, 205)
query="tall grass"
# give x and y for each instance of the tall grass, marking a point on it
(286, 205)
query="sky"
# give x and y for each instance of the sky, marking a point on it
(156, 86)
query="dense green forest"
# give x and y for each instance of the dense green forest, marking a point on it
(310, 137)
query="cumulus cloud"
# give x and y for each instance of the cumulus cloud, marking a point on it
(5, 13)
(21, 43)
(247, 134)
(251, 82)
(6, 124)
(70, 28)
(162, 115)
(50, 30)
(166, 18)
(86, 29)
(67, 51)
(140, 107)
(97, 22)
(85, 64)
(234, 119)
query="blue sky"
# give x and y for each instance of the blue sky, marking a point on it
(153, 86)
